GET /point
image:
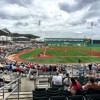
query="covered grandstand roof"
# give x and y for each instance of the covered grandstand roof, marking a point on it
(6, 32)
(30, 36)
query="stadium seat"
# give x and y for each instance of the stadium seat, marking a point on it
(82, 92)
(39, 92)
(40, 89)
(53, 89)
(54, 92)
(40, 98)
(90, 91)
(58, 86)
(58, 98)
(40, 95)
(93, 97)
(66, 93)
(97, 79)
(57, 93)
(76, 97)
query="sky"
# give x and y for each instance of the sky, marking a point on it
(52, 18)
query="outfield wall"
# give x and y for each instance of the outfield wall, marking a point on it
(93, 45)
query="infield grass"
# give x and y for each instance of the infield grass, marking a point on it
(29, 56)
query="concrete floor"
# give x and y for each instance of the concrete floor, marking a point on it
(27, 84)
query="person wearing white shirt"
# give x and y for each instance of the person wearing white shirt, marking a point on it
(67, 80)
(57, 79)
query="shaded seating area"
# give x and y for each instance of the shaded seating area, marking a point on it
(93, 97)
(60, 94)
(76, 97)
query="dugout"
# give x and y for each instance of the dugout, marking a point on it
(67, 41)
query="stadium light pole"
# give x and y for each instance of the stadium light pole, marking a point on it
(91, 35)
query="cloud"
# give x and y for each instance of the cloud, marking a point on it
(92, 6)
(57, 16)
(12, 17)
(94, 10)
(19, 2)
(13, 12)
(18, 24)
(80, 4)
(80, 22)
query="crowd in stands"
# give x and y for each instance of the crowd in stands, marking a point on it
(70, 83)
(73, 86)
(69, 88)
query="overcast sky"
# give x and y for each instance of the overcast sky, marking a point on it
(58, 18)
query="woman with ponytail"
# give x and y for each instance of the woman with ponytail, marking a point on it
(75, 86)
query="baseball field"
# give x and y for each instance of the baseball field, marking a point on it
(62, 55)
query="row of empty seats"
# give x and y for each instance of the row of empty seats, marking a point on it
(59, 94)
(76, 97)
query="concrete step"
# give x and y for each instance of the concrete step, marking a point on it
(14, 96)
(20, 96)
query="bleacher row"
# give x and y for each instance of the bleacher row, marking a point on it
(59, 94)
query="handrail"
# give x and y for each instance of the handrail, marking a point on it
(2, 74)
(10, 83)
(15, 87)
(10, 93)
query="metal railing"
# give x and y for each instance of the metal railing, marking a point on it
(16, 86)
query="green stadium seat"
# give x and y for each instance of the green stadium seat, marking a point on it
(53, 89)
(58, 98)
(40, 98)
(40, 95)
(66, 93)
(93, 97)
(76, 97)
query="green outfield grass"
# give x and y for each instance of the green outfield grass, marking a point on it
(29, 55)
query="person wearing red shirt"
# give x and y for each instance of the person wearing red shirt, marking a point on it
(44, 69)
(18, 68)
(31, 66)
(75, 86)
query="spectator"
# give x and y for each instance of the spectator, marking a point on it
(81, 71)
(14, 68)
(57, 80)
(91, 84)
(67, 80)
(54, 69)
(10, 67)
(90, 67)
(32, 71)
(94, 69)
(50, 68)
(61, 73)
(44, 69)
(75, 86)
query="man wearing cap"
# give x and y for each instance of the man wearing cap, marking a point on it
(57, 79)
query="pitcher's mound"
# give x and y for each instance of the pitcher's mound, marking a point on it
(44, 56)
(64, 52)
